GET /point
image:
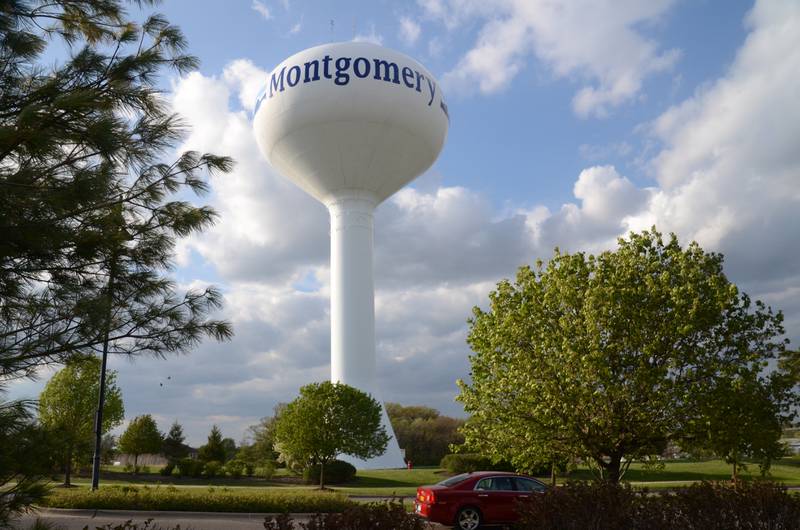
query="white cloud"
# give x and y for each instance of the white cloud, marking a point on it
(294, 30)
(409, 30)
(261, 8)
(372, 36)
(598, 43)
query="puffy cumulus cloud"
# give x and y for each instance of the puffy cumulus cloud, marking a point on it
(600, 42)
(730, 164)
(409, 30)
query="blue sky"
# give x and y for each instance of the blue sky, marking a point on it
(572, 123)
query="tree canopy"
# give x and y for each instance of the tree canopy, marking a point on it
(329, 419)
(141, 437)
(67, 408)
(610, 357)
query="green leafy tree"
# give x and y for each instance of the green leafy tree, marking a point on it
(214, 449)
(67, 409)
(742, 419)
(87, 217)
(258, 446)
(108, 449)
(424, 434)
(229, 445)
(610, 357)
(329, 419)
(141, 437)
(173, 446)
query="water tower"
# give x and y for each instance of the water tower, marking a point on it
(351, 123)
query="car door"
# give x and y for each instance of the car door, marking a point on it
(497, 498)
(525, 488)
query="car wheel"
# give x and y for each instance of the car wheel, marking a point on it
(468, 518)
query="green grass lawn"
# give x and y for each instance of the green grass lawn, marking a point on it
(387, 482)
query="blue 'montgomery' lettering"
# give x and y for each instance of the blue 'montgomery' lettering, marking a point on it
(342, 65)
(308, 65)
(387, 68)
(408, 74)
(294, 70)
(273, 83)
(365, 67)
(432, 89)
(340, 72)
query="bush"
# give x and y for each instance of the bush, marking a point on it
(213, 469)
(197, 500)
(235, 468)
(188, 467)
(250, 469)
(376, 516)
(166, 471)
(702, 506)
(265, 470)
(336, 472)
(469, 462)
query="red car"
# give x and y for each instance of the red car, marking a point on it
(470, 500)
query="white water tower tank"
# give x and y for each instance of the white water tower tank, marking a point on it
(351, 123)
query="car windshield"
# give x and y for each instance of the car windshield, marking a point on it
(452, 481)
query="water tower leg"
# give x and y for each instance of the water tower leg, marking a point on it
(353, 306)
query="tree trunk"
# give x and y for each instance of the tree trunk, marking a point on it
(735, 475)
(322, 475)
(135, 463)
(613, 469)
(553, 474)
(68, 468)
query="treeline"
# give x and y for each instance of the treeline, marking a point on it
(424, 433)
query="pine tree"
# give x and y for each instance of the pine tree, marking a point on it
(87, 219)
(214, 449)
(173, 446)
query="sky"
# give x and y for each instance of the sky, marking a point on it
(573, 122)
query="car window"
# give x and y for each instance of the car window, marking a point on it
(495, 484)
(452, 481)
(524, 484)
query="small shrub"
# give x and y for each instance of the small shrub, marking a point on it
(213, 469)
(265, 470)
(188, 467)
(469, 462)
(702, 506)
(250, 469)
(336, 472)
(375, 516)
(166, 471)
(235, 468)
(197, 500)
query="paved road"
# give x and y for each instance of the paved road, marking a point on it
(78, 519)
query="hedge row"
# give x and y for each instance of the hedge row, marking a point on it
(374, 516)
(702, 506)
(200, 500)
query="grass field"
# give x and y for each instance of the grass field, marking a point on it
(389, 482)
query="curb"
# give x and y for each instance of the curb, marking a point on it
(77, 512)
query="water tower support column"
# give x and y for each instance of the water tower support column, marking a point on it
(353, 304)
